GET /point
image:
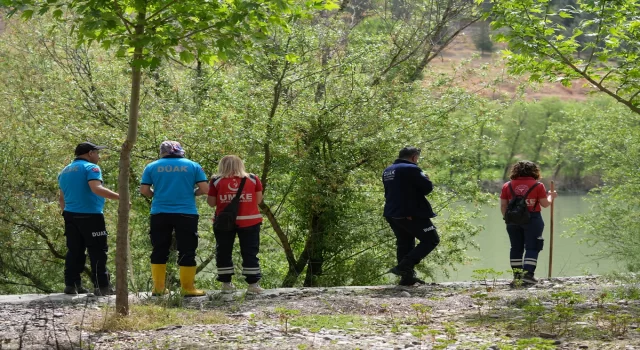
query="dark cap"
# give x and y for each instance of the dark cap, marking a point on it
(87, 147)
(408, 152)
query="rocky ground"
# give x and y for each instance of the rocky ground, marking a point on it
(571, 313)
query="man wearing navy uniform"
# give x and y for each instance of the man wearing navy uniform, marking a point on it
(82, 198)
(409, 213)
(176, 182)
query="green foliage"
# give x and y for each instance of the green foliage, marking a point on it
(284, 315)
(148, 317)
(563, 313)
(211, 30)
(450, 330)
(482, 38)
(318, 151)
(566, 298)
(318, 128)
(613, 321)
(533, 311)
(480, 299)
(543, 46)
(420, 331)
(487, 275)
(422, 312)
(146, 33)
(316, 322)
(530, 344)
(607, 144)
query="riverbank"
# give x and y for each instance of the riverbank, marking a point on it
(564, 186)
(563, 313)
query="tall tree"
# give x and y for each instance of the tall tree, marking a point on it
(148, 31)
(482, 38)
(539, 44)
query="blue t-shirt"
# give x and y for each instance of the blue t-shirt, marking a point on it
(173, 180)
(74, 183)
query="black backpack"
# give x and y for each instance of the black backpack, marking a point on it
(517, 211)
(226, 219)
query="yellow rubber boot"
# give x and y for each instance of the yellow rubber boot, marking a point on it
(187, 277)
(159, 275)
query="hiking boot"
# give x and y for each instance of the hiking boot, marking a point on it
(528, 279)
(73, 290)
(400, 272)
(104, 291)
(411, 281)
(227, 288)
(254, 288)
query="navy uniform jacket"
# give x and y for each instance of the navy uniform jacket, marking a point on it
(405, 186)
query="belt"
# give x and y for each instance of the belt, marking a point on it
(402, 218)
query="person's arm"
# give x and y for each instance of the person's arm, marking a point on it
(146, 191)
(503, 206)
(212, 195)
(61, 200)
(259, 197)
(98, 189)
(545, 202)
(422, 181)
(203, 188)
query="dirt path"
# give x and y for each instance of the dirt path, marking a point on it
(574, 313)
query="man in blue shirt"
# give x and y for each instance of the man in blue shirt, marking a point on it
(176, 182)
(409, 213)
(82, 201)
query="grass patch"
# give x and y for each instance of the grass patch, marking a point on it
(316, 322)
(147, 317)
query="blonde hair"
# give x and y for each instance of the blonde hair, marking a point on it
(230, 166)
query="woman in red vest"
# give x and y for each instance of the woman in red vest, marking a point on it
(526, 238)
(222, 189)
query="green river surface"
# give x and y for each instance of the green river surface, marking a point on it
(570, 257)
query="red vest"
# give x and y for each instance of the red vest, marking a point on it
(225, 188)
(520, 186)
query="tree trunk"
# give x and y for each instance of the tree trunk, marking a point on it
(511, 154)
(295, 270)
(514, 145)
(122, 239)
(556, 172)
(316, 250)
(479, 165)
(536, 158)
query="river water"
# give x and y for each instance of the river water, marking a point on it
(570, 258)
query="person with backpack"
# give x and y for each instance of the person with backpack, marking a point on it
(236, 194)
(521, 201)
(174, 182)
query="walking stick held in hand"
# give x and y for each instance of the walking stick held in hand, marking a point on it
(551, 232)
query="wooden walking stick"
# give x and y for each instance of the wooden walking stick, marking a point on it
(551, 232)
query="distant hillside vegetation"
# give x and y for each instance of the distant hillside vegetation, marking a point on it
(463, 48)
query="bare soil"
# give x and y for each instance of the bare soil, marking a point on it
(462, 60)
(437, 316)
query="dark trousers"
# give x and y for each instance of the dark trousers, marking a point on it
(526, 239)
(161, 231)
(85, 232)
(407, 252)
(249, 238)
